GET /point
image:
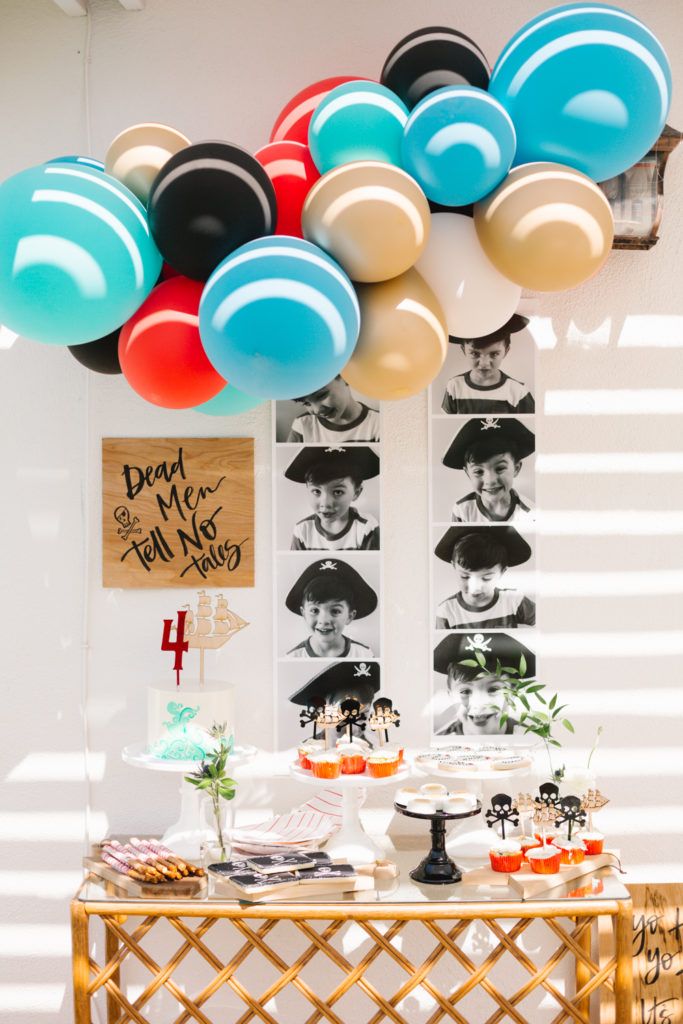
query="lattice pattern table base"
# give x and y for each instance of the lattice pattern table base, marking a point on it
(295, 968)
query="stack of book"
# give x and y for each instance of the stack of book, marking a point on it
(286, 876)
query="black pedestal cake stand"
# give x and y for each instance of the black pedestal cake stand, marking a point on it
(437, 868)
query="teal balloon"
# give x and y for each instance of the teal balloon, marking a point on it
(84, 161)
(279, 318)
(228, 402)
(458, 144)
(76, 255)
(586, 85)
(357, 121)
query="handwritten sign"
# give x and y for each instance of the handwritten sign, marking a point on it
(178, 512)
(658, 953)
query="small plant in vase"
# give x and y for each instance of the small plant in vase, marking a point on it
(540, 721)
(210, 777)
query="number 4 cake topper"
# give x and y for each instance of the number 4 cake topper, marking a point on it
(178, 644)
(502, 810)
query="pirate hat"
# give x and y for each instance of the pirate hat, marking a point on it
(335, 462)
(501, 432)
(517, 549)
(495, 647)
(342, 679)
(516, 323)
(365, 598)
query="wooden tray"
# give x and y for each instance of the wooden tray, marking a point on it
(190, 886)
(528, 884)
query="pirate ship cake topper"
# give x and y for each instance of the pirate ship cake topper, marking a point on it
(208, 628)
(383, 718)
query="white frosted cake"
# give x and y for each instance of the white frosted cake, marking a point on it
(180, 718)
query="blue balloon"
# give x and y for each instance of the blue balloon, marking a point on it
(279, 318)
(458, 144)
(84, 161)
(77, 257)
(586, 85)
(357, 121)
(228, 402)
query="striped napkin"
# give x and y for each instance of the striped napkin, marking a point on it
(302, 829)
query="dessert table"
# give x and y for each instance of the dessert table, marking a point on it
(530, 944)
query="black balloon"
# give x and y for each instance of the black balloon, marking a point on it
(101, 356)
(206, 201)
(431, 58)
(466, 211)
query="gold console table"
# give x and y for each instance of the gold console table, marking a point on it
(584, 973)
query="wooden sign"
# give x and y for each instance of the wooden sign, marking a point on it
(658, 953)
(178, 512)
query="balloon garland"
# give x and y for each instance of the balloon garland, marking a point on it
(380, 219)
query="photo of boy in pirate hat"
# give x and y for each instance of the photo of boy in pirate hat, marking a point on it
(333, 478)
(480, 555)
(490, 450)
(332, 414)
(484, 388)
(469, 698)
(329, 595)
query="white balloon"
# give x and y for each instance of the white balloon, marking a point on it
(475, 297)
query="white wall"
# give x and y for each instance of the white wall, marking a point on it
(611, 555)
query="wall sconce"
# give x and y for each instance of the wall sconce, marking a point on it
(636, 196)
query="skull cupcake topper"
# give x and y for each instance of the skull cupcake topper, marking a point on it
(570, 812)
(350, 710)
(310, 715)
(502, 809)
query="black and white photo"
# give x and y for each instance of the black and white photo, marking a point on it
(483, 577)
(304, 688)
(328, 498)
(328, 606)
(334, 414)
(483, 470)
(469, 698)
(491, 375)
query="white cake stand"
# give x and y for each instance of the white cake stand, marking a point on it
(475, 843)
(351, 843)
(185, 835)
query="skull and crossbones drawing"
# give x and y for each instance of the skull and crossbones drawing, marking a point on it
(122, 516)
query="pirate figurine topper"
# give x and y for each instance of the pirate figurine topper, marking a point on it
(328, 719)
(502, 810)
(383, 717)
(338, 682)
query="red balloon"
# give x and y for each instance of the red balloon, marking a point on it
(290, 167)
(292, 122)
(167, 272)
(160, 351)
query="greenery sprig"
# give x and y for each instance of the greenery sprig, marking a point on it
(519, 694)
(210, 777)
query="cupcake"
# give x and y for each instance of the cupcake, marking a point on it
(395, 748)
(309, 747)
(436, 792)
(421, 805)
(357, 741)
(593, 842)
(326, 765)
(545, 860)
(540, 839)
(529, 843)
(459, 803)
(382, 763)
(571, 852)
(404, 794)
(352, 759)
(506, 855)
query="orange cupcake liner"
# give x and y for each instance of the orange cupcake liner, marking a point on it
(326, 769)
(574, 856)
(382, 769)
(507, 862)
(304, 762)
(546, 865)
(352, 764)
(593, 846)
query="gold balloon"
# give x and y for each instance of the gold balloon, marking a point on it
(547, 227)
(372, 217)
(136, 156)
(403, 338)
